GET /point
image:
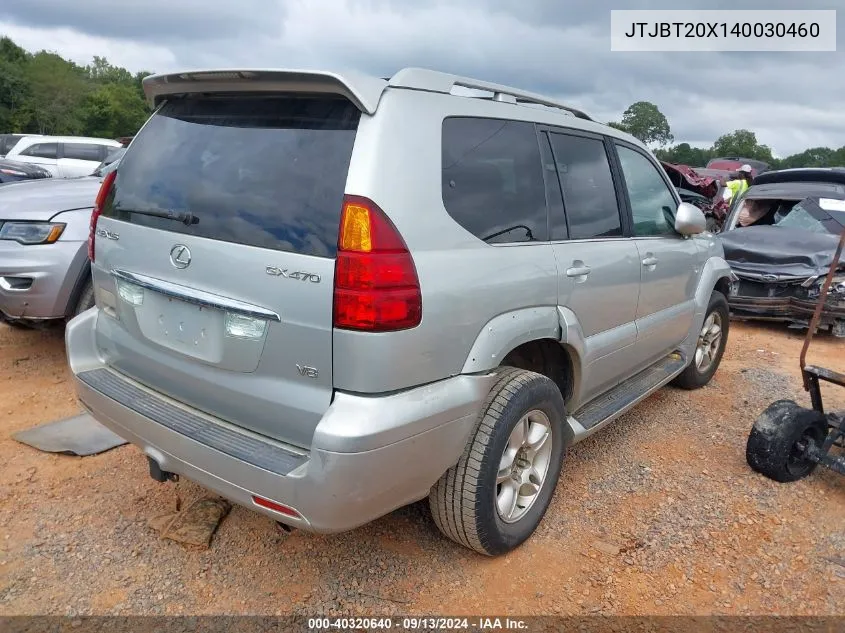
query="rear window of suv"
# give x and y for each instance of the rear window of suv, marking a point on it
(267, 171)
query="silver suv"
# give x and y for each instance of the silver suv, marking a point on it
(327, 296)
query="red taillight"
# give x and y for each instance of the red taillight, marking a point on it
(276, 507)
(105, 188)
(376, 288)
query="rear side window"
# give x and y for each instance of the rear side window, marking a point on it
(588, 192)
(83, 151)
(42, 150)
(492, 179)
(267, 171)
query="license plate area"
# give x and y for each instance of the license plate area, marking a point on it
(190, 329)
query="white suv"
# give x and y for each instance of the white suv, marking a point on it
(63, 156)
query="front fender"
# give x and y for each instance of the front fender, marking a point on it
(714, 270)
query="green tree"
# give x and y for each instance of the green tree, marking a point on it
(101, 71)
(114, 110)
(645, 121)
(137, 79)
(685, 154)
(14, 89)
(813, 157)
(11, 52)
(58, 90)
(742, 143)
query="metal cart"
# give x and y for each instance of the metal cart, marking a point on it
(788, 441)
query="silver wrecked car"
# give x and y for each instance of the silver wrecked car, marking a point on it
(45, 273)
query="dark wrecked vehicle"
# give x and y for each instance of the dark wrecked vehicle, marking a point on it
(779, 239)
(701, 189)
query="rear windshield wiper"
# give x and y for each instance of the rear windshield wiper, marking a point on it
(186, 217)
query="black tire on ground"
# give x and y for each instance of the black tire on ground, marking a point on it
(85, 301)
(463, 502)
(692, 377)
(774, 444)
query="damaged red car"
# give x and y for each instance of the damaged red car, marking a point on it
(779, 239)
(701, 189)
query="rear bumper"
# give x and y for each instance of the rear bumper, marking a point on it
(369, 455)
(36, 282)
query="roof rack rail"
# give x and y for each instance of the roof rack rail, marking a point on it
(434, 81)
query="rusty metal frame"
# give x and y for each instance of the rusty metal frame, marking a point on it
(814, 322)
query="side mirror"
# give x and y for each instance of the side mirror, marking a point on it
(689, 220)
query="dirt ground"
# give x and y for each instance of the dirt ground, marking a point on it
(658, 514)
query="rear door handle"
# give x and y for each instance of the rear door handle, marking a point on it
(650, 261)
(578, 271)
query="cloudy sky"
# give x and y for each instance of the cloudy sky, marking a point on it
(558, 47)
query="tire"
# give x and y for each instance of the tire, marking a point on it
(464, 502)
(696, 376)
(773, 447)
(85, 301)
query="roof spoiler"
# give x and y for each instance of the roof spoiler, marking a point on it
(362, 90)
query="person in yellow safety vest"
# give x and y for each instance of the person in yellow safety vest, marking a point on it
(738, 185)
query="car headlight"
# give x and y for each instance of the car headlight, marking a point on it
(31, 232)
(12, 172)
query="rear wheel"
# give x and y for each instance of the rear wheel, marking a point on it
(710, 345)
(493, 499)
(779, 438)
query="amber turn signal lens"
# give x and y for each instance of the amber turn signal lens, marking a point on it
(356, 232)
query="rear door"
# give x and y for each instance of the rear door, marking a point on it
(599, 277)
(80, 159)
(230, 310)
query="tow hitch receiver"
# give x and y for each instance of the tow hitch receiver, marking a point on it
(160, 475)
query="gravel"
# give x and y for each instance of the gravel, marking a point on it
(656, 514)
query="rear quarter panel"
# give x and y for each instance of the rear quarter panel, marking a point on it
(466, 284)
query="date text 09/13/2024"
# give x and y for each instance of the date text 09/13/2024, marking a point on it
(418, 623)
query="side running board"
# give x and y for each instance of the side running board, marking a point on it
(606, 408)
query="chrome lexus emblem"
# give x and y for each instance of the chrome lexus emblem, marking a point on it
(180, 256)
